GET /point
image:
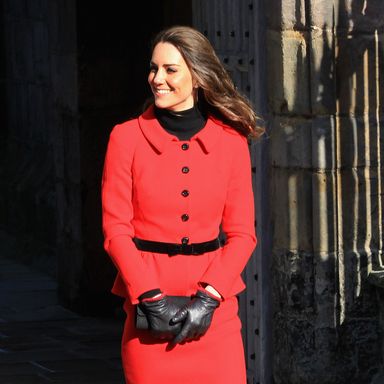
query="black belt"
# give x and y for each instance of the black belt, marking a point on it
(177, 249)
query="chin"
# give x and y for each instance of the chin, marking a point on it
(160, 104)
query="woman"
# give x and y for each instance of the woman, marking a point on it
(171, 178)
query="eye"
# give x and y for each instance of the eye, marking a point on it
(171, 70)
(152, 68)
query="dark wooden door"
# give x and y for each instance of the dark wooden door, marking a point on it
(236, 30)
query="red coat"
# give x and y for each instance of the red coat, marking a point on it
(142, 196)
(150, 180)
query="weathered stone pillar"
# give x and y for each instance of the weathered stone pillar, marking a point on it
(325, 58)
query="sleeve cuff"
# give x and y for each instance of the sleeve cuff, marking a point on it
(149, 294)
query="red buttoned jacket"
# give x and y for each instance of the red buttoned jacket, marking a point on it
(151, 180)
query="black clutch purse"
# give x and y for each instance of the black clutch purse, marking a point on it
(141, 319)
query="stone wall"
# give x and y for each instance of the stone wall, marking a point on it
(325, 90)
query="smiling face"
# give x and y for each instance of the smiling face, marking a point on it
(170, 79)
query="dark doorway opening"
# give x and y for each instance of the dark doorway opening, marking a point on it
(113, 45)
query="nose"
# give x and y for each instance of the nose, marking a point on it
(158, 77)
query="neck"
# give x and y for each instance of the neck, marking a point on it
(182, 124)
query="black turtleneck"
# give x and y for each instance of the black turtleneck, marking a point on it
(182, 124)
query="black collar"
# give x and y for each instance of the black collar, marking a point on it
(182, 124)
(159, 138)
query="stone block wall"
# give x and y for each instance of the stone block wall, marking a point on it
(325, 97)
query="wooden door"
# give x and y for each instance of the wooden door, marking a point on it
(236, 30)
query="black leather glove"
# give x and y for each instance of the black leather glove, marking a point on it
(195, 316)
(159, 313)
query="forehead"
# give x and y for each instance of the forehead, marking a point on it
(166, 53)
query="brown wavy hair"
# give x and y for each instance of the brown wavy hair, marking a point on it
(216, 88)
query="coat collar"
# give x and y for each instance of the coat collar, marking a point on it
(159, 138)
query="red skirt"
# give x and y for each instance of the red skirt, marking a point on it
(216, 358)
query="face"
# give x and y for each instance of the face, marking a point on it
(170, 79)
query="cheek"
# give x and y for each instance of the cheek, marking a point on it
(189, 90)
(186, 86)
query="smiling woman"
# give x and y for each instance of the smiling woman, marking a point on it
(172, 177)
(170, 79)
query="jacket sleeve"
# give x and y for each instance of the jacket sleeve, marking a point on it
(238, 224)
(117, 210)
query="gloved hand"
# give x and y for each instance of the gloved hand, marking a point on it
(159, 313)
(195, 316)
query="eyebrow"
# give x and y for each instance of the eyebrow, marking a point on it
(165, 65)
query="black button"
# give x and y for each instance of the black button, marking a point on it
(185, 240)
(185, 146)
(185, 170)
(185, 193)
(185, 217)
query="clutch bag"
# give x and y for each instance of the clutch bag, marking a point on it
(141, 319)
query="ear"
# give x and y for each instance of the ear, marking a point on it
(195, 82)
